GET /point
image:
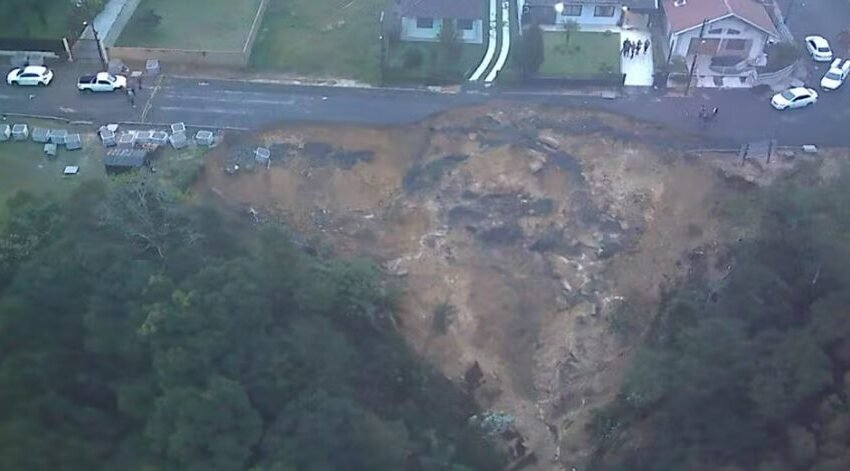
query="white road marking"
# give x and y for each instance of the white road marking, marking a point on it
(207, 98)
(202, 110)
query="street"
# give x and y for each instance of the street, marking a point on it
(744, 114)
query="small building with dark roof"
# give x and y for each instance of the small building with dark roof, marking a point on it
(117, 160)
(423, 20)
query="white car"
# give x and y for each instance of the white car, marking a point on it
(101, 82)
(819, 48)
(30, 75)
(797, 97)
(835, 76)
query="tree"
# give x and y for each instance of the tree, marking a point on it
(791, 369)
(137, 332)
(148, 20)
(214, 428)
(531, 50)
(449, 44)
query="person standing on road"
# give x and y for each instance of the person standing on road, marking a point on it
(131, 96)
(638, 46)
(627, 45)
(646, 46)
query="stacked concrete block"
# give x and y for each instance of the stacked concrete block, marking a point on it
(20, 132)
(262, 155)
(178, 140)
(127, 139)
(107, 136)
(115, 67)
(50, 149)
(57, 136)
(178, 127)
(73, 142)
(40, 135)
(18, 60)
(144, 137)
(152, 67)
(5, 132)
(204, 138)
(159, 138)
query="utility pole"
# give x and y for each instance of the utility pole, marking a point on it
(696, 54)
(382, 62)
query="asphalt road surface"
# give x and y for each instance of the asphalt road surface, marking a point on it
(744, 115)
(219, 103)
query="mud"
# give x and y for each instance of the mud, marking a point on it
(541, 228)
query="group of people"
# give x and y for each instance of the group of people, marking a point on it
(631, 49)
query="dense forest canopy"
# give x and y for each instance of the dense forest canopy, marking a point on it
(138, 333)
(749, 372)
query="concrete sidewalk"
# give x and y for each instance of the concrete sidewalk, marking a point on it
(638, 69)
(111, 21)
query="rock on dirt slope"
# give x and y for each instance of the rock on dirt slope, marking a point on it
(542, 240)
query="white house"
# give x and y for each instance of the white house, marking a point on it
(734, 28)
(422, 20)
(588, 14)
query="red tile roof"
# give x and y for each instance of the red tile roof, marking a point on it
(691, 13)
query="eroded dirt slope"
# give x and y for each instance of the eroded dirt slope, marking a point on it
(552, 235)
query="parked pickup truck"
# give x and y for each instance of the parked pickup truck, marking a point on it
(101, 82)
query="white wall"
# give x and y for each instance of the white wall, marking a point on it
(587, 17)
(410, 32)
(682, 41)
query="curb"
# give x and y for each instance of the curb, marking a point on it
(315, 84)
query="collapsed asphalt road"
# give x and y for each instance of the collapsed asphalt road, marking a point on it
(744, 115)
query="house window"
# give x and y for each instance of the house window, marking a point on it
(464, 25)
(715, 31)
(732, 31)
(604, 10)
(423, 22)
(736, 44)
(572, 10)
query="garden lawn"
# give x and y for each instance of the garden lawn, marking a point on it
(586, 55)
(329, 38)
(212, 25)
(435, 67)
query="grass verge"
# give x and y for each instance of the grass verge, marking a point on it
(212, 25)
(329, 38)
(587, 54)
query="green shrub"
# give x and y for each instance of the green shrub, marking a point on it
(412, 58)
